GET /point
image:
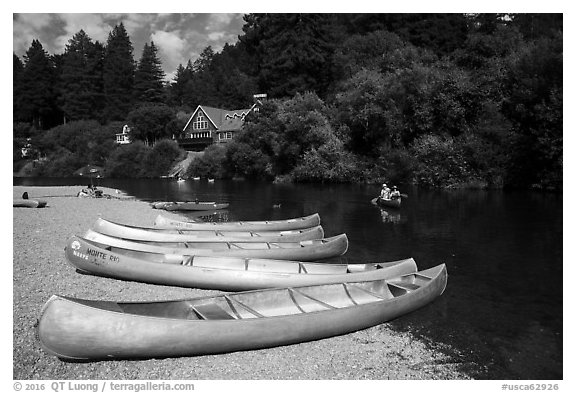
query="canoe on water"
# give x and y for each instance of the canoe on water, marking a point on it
(227, 274)
(83, 329)
(307, 250)
(277, 225)
(129, 232)
(189, 206)
(33, 203)
(395, 203)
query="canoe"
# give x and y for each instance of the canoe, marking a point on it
(278, 225)
(189, 206)
(395, 203)
(222, 273)
(307, 250)
(82, 329)
(129, 232)
(33, 203)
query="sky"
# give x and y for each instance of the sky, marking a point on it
(179, 37)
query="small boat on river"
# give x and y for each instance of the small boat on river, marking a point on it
(82, 329)
(394, 202)
(222, 273)
(307, 250)
(278, 225)
(129, 232)
(189, 206)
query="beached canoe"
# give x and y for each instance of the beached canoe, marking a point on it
(129, 232)
(395, 203)
(84, 329)
(189, 206)
(307, 250)
(33, 203)
(227, 274)
(277, 225)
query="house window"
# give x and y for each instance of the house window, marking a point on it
(200, 123)
(200, 135)
(224, 135)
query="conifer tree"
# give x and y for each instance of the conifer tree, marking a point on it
(17, 72)
(81, 87)
(149, 76)
(118, 75)
(36, 101)
(177, 87)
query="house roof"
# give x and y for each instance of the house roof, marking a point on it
(222, 119)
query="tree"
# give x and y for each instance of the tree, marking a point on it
(533, 103)
(294, 51)
(149, 122)
(17, 73)
(36, 101)
(149, 76)
(119, 71)
(81, 75)
(440, 32)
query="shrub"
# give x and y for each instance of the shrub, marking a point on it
(160, 158)
(126, 160)
(210, 164)
(441, 163)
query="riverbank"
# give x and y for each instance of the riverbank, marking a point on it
(40, 270)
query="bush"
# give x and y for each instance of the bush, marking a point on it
(160, 158)
(125, 161)
(330, 162)
(441, 163)
(210, 164)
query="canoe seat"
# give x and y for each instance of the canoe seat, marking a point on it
(211, 311)
(405, 285)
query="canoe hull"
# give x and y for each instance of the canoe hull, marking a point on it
(308, 250)
(73, 329)
(109, 228)
(277, 225)
(227, 274)
(394, 203)
(32, 203)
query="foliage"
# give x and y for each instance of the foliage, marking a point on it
(244, 161)
(149, 76)
(534, 106)
(210, 164)
(442, 162)
(37, 99)
(118, 74)
(150, 122)
(328, 163)
(160, 158)
(80, 87)
(125, 161)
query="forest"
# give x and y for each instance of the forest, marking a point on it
(437, 100)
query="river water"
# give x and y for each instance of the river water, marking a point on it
(501, 314)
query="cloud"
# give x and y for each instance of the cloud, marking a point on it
(170, 50)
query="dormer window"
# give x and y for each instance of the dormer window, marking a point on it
(200, 123)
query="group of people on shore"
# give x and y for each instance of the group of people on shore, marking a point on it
(91, 191)
(387, 193)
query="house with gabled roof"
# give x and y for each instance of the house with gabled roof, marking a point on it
(209, 125)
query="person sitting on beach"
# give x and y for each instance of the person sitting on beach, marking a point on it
(394, 194)
(385, 192)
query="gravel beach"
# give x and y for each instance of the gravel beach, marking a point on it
(40, 270)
